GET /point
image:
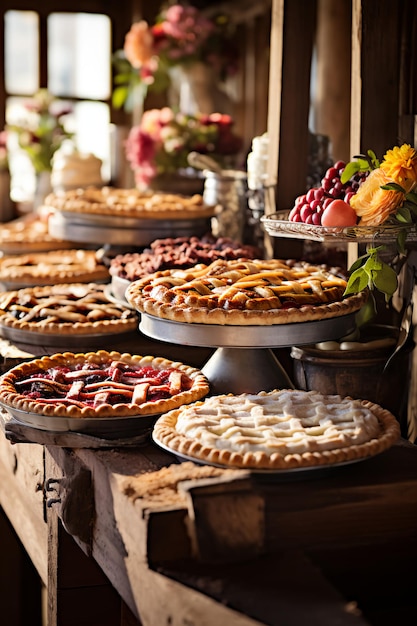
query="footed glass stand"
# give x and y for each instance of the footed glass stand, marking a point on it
(244, 361)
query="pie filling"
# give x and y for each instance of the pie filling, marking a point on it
(90, 385)
(244, 288)
(278, 429)
(100, 384)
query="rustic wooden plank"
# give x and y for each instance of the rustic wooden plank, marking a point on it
(21, 497)
(240, 534)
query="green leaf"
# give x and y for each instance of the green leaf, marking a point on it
(350, 170)
(361, 260)
(385, 280)
(358, 281)
(366, 313)
(393, 187)
(403, 215)
(411, 197)
(119, 97)
(401, 239)
(374, 160)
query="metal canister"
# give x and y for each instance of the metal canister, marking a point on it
(228, 192)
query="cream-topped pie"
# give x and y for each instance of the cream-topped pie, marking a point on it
(67, 309)
(244, 292)
(281, 429)
(51, 268)
(100, 384)
(129, 203)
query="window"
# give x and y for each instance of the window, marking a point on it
(78, 70)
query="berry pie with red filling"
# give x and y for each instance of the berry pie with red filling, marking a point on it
(100, 384)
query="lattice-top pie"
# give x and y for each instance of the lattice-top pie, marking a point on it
(100, 384)
(69, 309)
(130, 203)
(51, 268)
(243, 292)
(281, 429)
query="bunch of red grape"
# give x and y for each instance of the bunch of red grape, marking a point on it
(309, 207)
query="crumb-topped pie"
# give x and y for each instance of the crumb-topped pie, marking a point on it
(178, 253)
(68, 309)
(244, 292)
(129, 203)
(51, 268)
(100, 384)
(281, 429)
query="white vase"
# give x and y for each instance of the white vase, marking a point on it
(43, 187)
(195, 88)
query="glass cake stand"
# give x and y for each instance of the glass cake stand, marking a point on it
(244, 361)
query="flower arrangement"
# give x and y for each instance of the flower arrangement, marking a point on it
(388, 195)
(163, 140)
(181, 35)
(41, 131)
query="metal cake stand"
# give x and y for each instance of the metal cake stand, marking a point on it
(244, 361)
(121, 230)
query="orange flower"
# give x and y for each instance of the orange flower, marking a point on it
(400, 165)
(372, 204)
(138, 47)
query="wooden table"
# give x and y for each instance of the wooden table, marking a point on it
(129, 535)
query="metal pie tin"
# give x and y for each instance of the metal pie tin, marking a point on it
(112, 427)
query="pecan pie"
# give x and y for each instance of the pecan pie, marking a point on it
(51, 268)
(100, 384)
(130, 203)
(244, 292)
(70, 309)
(281, 429)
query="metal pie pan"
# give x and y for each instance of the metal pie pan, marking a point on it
(110, 427)
(274, 336)
(128, 232)
(71, 339)
(297, 473)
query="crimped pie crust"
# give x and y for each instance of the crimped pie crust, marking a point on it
(29, 233)
(129, 203)
(244, 292)
(120, 379)
(56, 266)
(68, 309)
(277, 430)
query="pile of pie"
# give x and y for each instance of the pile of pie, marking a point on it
(51, 268)
(244, 292)
(100, 384)
(67, 310)
(277, 430)
(131, 203)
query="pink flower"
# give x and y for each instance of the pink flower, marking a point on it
(138, 46)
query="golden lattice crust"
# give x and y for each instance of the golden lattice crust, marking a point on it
(244, 292)
(49, 268)
(129, 203)
(68, 309)
(277, 430)
(100, 384)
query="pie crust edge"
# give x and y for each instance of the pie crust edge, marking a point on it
(9, 397)
(164, 432)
